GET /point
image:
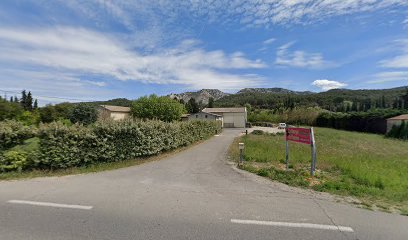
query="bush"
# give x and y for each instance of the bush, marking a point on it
(68, 146)
(399, 131)
(13, 133)
(84, 113)
(161, 108)
(258, 132)
(374, 121)
(13, 161)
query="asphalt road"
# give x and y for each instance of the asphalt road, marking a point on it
(195, 194)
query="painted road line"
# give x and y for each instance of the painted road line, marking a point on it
(49, 204)
(294, 225)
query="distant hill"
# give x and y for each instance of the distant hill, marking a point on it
(200, 96)
(124, 102)
(335, 100)
(272, 90)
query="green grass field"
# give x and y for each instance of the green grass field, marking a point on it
(367, 166)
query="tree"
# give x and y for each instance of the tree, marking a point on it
(211, 102)
(64, 110)
(154, 107)
(192, 106)
(23, 100)
(84, 113)
(9, 110)
(35, 106)
(29, 118)
(29, 102)
(48, 114)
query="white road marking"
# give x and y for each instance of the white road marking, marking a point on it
(294, 225)
(48, 204)
(216, 135)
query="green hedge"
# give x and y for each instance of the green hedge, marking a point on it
(68, 146)
(13, 133)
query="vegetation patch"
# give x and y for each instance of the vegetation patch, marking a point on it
(58, 146)
(367, 166)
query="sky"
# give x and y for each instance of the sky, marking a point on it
(87, 50)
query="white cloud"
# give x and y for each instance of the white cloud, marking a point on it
(384, 77)
(326, 85)
(79, 51)
(400, 60)
(269, 41)
(251, 13)
(300, 59)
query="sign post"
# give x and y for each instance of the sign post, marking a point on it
(305, 136)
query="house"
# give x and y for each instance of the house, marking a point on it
(184, 117)
(113, 112)
(232, 117)
(203, 116)
(396, 121)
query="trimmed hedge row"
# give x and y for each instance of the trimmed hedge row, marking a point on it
(68, 146)
(372, 121)
(13, 133)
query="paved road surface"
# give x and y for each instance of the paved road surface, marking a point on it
(194, 194)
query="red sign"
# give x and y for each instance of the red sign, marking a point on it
(299, 135)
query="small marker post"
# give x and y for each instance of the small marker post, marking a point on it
(287, 150)
(241, 153)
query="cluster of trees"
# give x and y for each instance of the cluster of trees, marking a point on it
(192, 106)
(26, 110)
(337, 100)
(23, 109)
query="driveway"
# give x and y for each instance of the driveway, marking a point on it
(195, 194)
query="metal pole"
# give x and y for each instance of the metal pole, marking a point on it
(313, 146)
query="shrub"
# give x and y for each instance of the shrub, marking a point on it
(13, 133)
(13, 161)
(84, 113)
(108, 141)
(154, 107)
(258, 132)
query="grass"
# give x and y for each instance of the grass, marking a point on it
(367, 166)
(98, 167)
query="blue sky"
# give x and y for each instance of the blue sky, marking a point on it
(101, 49)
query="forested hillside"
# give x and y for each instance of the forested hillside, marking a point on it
(338, 100)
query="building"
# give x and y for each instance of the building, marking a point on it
(203, 116)
(113, 112)
(396, 121)
(232, 117)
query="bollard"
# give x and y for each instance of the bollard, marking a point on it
(246, 132)
(241, 153)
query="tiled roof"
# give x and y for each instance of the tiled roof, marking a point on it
(400, 117)
(116, 108)
(225, 110)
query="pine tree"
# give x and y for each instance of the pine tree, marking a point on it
(23, 100)
(35, 104)
(29, 102)
(16, 99)
(11, 99)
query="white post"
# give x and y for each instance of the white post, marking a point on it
(241, 153)
(313, 146)
(287, 149)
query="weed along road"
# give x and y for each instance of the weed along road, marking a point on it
(194, 194)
